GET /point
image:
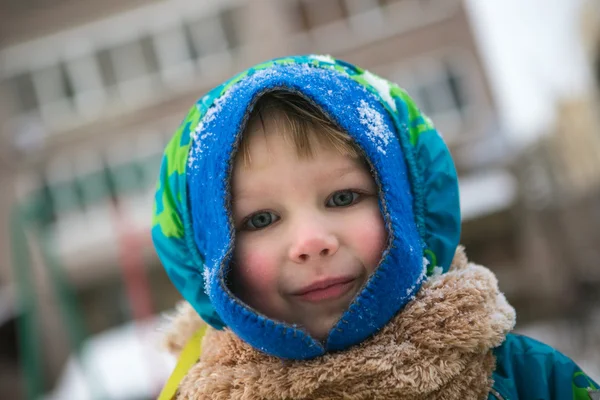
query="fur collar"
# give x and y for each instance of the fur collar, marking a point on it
(437, 347)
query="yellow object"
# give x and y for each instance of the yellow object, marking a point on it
(188, 357)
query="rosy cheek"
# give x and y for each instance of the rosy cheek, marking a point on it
(257, 270)
(372, 240)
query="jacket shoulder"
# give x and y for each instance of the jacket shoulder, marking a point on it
(529, 369)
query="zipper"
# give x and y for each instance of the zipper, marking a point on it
(497, 394)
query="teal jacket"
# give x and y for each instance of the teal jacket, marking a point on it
(529, 370)
(419, 200)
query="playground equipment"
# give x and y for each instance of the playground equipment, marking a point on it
(33, 226)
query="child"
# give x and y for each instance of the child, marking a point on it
(308, 212)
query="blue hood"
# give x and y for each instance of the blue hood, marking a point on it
(418, 196)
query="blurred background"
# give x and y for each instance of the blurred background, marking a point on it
(91, 91)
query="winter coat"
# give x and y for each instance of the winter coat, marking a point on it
(451, 342)
(528, 369)
(419, 328)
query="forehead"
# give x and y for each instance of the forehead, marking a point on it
(305, 134)
(265, 150)
(273, 162)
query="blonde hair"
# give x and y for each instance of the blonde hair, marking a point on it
(304, 125)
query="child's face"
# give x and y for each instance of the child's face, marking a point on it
(309, 231)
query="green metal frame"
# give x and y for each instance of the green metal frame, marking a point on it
(30, 219)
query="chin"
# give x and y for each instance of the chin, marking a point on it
(321, 333)
(320, 336)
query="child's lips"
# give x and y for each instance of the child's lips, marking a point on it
(327, 289)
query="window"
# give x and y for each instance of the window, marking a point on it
(128, 61)
(212, 39)
(134, 63)
(172, 47)
(20, 6)
(47, 205)
(53, 84)
(383, 3)
(298, 16)
(368, 19)
(229, 22)
(315, 13)
(444, 93)
(175, 54)
(206, 36)
(310, 14)
(107, 70)
(149, 53)
(91, 180)
(87, 80)
(63, 196)
(440, 89)
(55, 92)
(74, 184)
(361, 6)
(23, 92)
(148, 153)
(457, 87)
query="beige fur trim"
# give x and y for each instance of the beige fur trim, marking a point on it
(437, 347)
(182, 325)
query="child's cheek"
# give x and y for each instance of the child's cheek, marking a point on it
(257, 269)
(371, 239)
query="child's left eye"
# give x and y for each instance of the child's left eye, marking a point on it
(260, 220)
(343, 198)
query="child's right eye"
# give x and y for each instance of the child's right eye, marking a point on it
(260, 220)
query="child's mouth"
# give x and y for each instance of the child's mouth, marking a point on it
(328, 289)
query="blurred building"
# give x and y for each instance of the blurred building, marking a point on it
(560, 180)
(91, 92)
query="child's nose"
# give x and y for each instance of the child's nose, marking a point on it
(313, 245)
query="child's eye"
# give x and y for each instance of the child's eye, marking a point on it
(260, 220)
(343, 198)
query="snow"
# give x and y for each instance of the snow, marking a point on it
(210, 115)
(498, 316)
(325, 58)
(411, 291)
(207, 274)
(377, 130)
(122, 363)
(261, 75)
(382, 86)
(437, 271)
(199, 147)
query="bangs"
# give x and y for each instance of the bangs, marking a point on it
(302, 124)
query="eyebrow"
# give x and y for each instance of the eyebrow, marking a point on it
(342, 171)
(336, 173)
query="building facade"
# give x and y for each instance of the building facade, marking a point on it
(91, 95)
